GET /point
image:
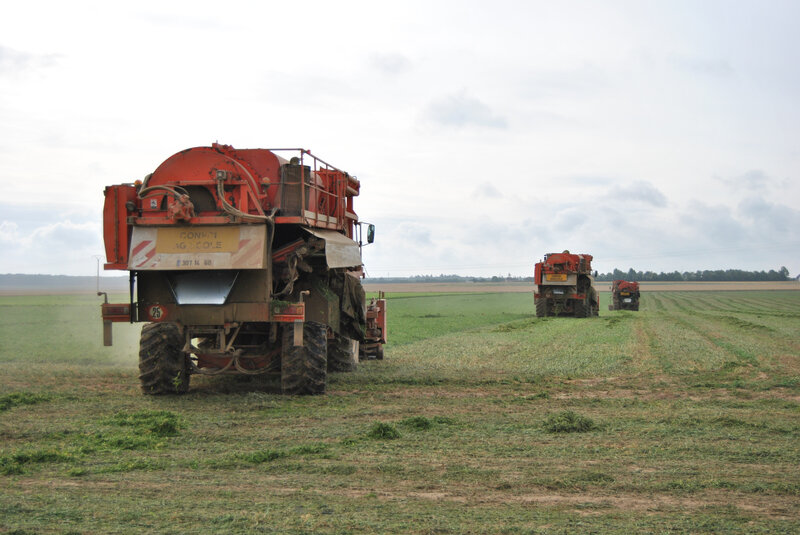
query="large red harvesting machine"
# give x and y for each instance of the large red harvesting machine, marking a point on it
(565, 286)
(241, 261)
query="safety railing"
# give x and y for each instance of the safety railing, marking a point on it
(316, 191)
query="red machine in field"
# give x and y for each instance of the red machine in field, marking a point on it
(241, 261)
(565, 286)
(624, 295)
(376, 329)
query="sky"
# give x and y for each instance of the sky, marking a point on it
(657, 135)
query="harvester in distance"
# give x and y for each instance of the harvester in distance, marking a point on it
(241, 261)
(376, 329)
(564, 286)
(624, 295)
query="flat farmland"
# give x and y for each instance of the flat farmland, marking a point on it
(681, 418)
(522, 287)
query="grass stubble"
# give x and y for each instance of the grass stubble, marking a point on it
(482, 419)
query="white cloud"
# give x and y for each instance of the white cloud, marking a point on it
(460, 110)
(771, 221)
(708, 67)
(564, 110)
(754, 179)
(16, 61)
(63, 247)
(390, 63)
(9, 233)
(639, 191)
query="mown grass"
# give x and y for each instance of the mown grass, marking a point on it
(681, 418)
(61, 329)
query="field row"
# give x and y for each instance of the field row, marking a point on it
(680, 418)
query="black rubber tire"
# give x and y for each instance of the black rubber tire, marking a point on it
(163, 366)
(304, 369)
(582, 308)
(341, 357)
(541, 308)
(379, 353)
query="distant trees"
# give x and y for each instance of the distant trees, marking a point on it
(717, 275)
(729, 275)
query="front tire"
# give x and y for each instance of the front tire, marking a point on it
(163, 366)
(304, 369)
(342, 354)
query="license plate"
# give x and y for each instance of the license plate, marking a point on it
(558, 291)
(628, 300)
(557, 277)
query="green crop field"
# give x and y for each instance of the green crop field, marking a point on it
(681, 418)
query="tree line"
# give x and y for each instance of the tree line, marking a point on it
(707, 275)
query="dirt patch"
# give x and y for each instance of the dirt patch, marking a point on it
(450, 287)
(772, 506)
(789, 362)
(775, 507)
(616, 394)
(438, 392)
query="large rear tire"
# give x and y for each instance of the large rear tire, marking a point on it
(583, 308)
(541, 308)
(163, 366)
(595, 303)
(304, 369)
(342, 354)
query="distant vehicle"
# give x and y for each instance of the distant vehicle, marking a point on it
(624, 295)
(375, 336)
(564, 286)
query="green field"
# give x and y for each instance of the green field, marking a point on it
(681, 418)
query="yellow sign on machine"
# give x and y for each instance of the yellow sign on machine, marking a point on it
(198, 240)
(198, 247)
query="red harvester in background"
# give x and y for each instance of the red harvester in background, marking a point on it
(624, 295)
(565, 286)
(376, 329)
(241, 261)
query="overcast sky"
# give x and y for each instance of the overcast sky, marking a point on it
(653, 135)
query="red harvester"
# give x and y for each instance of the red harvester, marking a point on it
(376, 329)
(564, 286)
(624, 295)
(240, 261)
